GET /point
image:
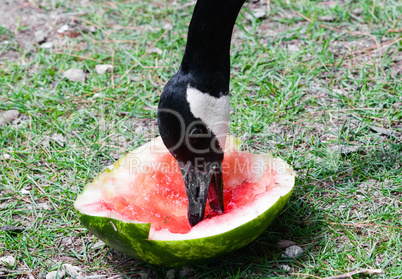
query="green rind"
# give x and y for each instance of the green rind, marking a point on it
(132, 239)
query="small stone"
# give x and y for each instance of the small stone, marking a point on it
(171, 274)
(284, 267)
(98, 276)
(99, 244)
(62, 29)
(66, 241)
(139, 130)
(40, 36)
(5, 156)
(257, 13)
(57, 274)
(59, 139)
(328, 18)
(135, 78)
(43, 206)
(46, 45)
(156, 50)
(24, 191)
(7, 260)
(3, 205)
(380, 130)
(167, 26)
(377, 194)
(91, 29)
(285, 243)
(293, 251)
(103, 68)
(340, 91)
(293, 48)
(72, 270)
(11, 229)
(45, 141)
(346, 149)
(342, 206)
(186, 272)
(357, 11)
(74, 75)
(8, 116)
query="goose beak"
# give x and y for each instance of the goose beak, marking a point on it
(200, 187)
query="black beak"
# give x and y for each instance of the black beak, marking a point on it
(198, 189)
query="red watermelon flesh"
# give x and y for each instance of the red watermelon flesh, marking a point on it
(156, 193)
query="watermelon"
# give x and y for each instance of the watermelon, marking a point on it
(138, 205)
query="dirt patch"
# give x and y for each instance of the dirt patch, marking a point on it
(27, 25)
(23, 19)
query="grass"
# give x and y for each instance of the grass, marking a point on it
(316, 83)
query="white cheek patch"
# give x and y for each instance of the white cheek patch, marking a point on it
(214, 112)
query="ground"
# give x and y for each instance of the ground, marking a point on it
(315, 83)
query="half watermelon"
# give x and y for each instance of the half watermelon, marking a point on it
(139, 206)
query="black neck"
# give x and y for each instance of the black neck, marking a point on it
(208, 44)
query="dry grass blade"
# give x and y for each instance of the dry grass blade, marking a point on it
(363, 225)
(362, 271)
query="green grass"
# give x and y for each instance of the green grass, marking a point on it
(315, 83)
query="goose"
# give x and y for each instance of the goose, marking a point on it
(193, 111)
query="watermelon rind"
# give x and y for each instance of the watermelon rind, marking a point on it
(140, 242)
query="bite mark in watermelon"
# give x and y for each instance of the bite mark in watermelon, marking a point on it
(139, 205)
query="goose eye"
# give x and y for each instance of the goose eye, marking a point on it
(195, 132)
